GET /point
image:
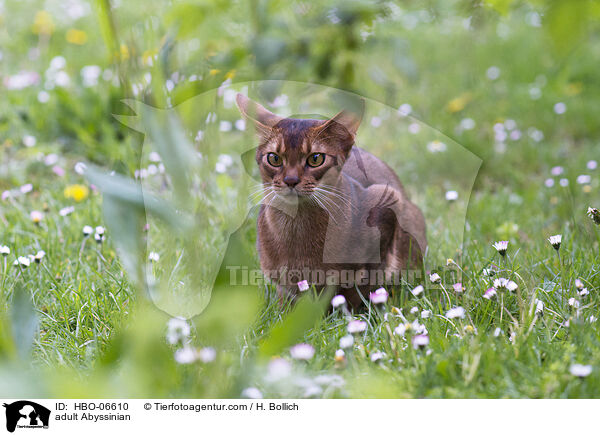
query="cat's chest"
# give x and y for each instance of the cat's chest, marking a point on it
(285, 239)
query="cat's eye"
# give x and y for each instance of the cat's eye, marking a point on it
(315, 159)
(274, 159)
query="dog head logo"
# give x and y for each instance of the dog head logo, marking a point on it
(26, 414)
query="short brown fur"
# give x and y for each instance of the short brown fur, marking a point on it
(348, 214)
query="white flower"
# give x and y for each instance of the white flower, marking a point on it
(154, 256)
(90, 75)
(455, 312)
(592, 165)
(186, 355)
(26, 188)
(302, 351)
(278, 369)
(451, 195)
(507, 284)
(594, 215)
(379, 296)
(36, 216)
(400, 330)
(560, 108)
(578, 284)
(99, 237)
(252, 393)
(501, 247)
(240, 125)
(87, 231)
(178, 329)
(434, 278)
(580, 370)
(425, 314)
(490, 293)
(376, 356)
(420, 341)
(549, 182)
(563, 182)
(4, 250)
(356, 326)
(100, 230)
(29, 140)
(338, 300)
(592, 319)
(207, 354)
(39, 256)
(436, 146)
(303, 285)
(497, 332)
(573, 302)
(22, 261)
(404, 110)
(539, 308)
(493, 72)
(584, 179)
(417, 290)
(339, 355)
(414, 310)
(583, 292)
(458, 287)
(555, 241)
(346, 341)
(66, 211)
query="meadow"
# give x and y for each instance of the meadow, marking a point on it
(497, 140)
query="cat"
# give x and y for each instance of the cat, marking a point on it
(333, 214)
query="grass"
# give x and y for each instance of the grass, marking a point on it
(77, 325)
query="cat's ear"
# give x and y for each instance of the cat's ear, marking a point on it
(345, 124)
(262, 119)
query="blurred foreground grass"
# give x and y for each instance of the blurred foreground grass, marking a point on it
(515, 83)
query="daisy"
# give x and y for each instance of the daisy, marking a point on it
(400, 330)
(338, 301)
(376, 356)
(497, 332)
(302, 351)
(458, 287)
(539, 308)
(346, 341)
(425, 314)
(555, 241)
(207, 354)
(417, 290)
(580, 370)
(434, 278)
(420, 341)
(303, 285)
(186, 355)
(583, 292)
(22, 261)
(39, 256)
(36, 216)
(340, 355)
(154, 256)
(573, 302)
(379, 296)
(99, 238)
(356, 326)
(507, 284)
(579, 284)
(177, 329)
(456, 312)
(594, 215)
(451, 195)
(252, 393)
(66, 211)
(501, 247)
(490, 293)
(4, 250)
(87, 231)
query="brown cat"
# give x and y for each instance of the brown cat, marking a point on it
(332, 213)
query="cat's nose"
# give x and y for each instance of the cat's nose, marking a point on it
(291, 181)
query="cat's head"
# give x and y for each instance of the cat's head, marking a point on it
(295, 156)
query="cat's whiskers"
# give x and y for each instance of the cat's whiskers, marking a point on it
(318, 202)
(335, 196)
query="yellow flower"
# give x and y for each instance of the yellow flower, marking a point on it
(587, 188)
(214, 72)
(42, 23)
(457, 104)
(230, 74)
(78, 192)
(75, 36)
(123, 52)
(573, 88)
(469, 329)
(449, 261)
